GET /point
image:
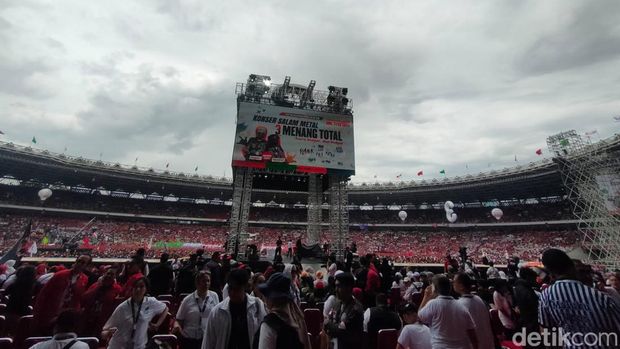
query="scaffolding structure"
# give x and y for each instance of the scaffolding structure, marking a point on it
(240, 212)
(338, 215)
(315, 195)
(590, 174)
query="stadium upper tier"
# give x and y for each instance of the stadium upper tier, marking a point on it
(38, 168)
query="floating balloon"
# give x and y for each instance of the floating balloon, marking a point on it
(497, 213)
(448, 205)
(450, 215)
(45, 193)
(402, 215)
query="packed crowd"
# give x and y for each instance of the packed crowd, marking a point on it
(218, 303)
(115, 238)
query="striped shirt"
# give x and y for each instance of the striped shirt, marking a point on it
(577, 308)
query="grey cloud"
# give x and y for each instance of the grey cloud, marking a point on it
(148, 112)
(490, 80)
(4, 24)
(17, 78)
(55, 44)
(592, 36)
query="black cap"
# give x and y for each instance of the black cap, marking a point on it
(277, 287)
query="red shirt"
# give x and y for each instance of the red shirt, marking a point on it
(373, 281)
(99, 305)
(64, 290)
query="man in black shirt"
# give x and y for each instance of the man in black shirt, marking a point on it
(346, 320)
(239, 338)
(161, 277)
(380, 318)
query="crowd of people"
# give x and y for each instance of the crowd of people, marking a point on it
(116, 238)
(220, 303)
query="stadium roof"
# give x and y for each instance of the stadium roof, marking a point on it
(41, 167)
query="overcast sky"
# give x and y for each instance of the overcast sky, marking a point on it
(454, 85)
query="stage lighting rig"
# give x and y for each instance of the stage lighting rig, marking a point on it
(337, 98)
(257, 85)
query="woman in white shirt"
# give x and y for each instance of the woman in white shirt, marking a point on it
(129, 324)
(191, 319)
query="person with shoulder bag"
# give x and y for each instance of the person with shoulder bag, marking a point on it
(284, 326)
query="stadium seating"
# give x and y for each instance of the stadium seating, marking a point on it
(387, 338)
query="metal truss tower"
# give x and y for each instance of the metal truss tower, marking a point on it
(240, 212)
(590, 172)
(338, 215)
(315, 196)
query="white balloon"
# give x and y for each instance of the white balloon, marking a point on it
(450, 215)
(402, 215)
(44, 194)
(497, 213)
(452, 218)
(448, 205)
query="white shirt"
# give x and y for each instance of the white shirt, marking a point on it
(482, 319)
(492, 273)
(218, 325)
(415, 336)
(448, 321)
(122, 318)
(327, 307)
(366, 319)
(195, 320)
(55, 343)
(225, 291)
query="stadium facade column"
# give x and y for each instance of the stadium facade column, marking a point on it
(338, 214)
(590, 174)
(240, 211)
(315, 196)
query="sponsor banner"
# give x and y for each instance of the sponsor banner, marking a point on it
(274, 137)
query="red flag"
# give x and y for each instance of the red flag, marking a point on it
(421, 173)
(539, 152)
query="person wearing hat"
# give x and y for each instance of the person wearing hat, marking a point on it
(284, 326)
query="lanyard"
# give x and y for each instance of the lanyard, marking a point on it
(201, 309)
(135, 316)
